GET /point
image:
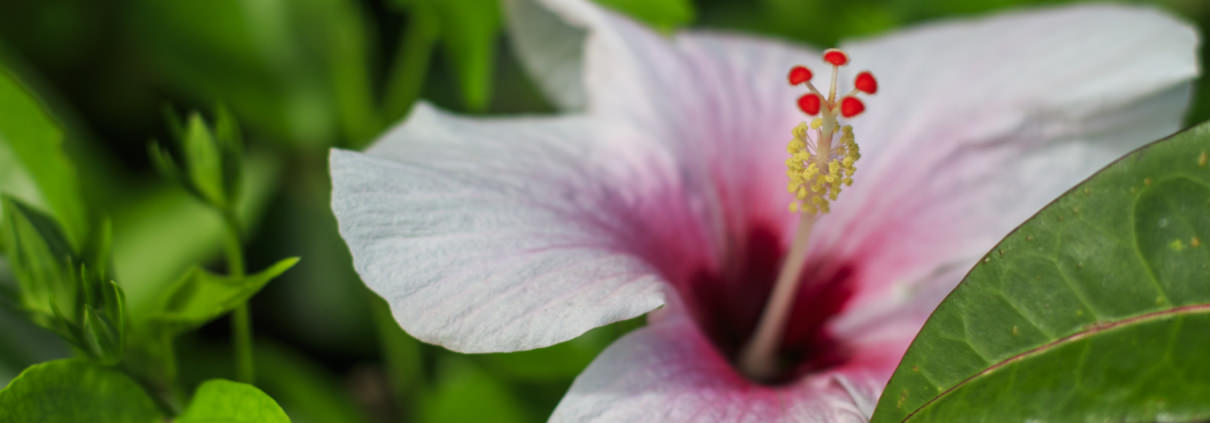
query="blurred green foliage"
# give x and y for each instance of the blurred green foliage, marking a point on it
(82, 88)
(33, 167)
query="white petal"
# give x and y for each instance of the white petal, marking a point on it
(667, 372)
(978, 124)
(496, 235)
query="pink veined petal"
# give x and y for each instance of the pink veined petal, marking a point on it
(500, 235)
(668, 372)
(979, 123)
(718, 102)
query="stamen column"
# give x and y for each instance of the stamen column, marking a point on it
(818, 169)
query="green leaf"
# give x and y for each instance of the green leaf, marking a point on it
(33, 167)
(204, 161)
(59, 291)
(662, 14)
(71, 391)
(231, 148)
(200, 296)
(224, 401)
(41, 259)
(1095, 309)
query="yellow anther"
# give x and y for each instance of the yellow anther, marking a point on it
(800, 131)
(819, 168)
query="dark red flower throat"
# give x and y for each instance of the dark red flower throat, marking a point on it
(727, 305)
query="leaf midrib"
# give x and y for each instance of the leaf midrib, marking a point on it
(1093, 329)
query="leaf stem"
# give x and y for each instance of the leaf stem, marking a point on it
(241, 321)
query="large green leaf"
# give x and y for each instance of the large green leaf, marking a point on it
(200, 296)
(33, 167)
(224, 401)
(1096, 309)
(71, 391)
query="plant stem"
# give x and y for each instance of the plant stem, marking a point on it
(411, 63)
(241, 321)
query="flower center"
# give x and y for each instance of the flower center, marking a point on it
(821, 163)
(728, 303)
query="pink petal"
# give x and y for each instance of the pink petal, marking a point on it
(979, 123)
(720, 102)
(502, 235)
(668, 372)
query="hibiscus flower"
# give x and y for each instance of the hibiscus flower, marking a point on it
(663, 186)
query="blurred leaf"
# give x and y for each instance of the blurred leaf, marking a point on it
(296, 70)
(162, 231)
(59, 291)
(662, 14)
(72, 391)
(104, 326)
(211, 159)
(204, 161)
(33, 167)
(41, 259)
(224, 401)
(201, 296)
(467, 394)
(1095, 309)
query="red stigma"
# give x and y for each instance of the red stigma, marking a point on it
(809, 103)
(865, 82)
(849, 106)
(799, 74)
(835, 56)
